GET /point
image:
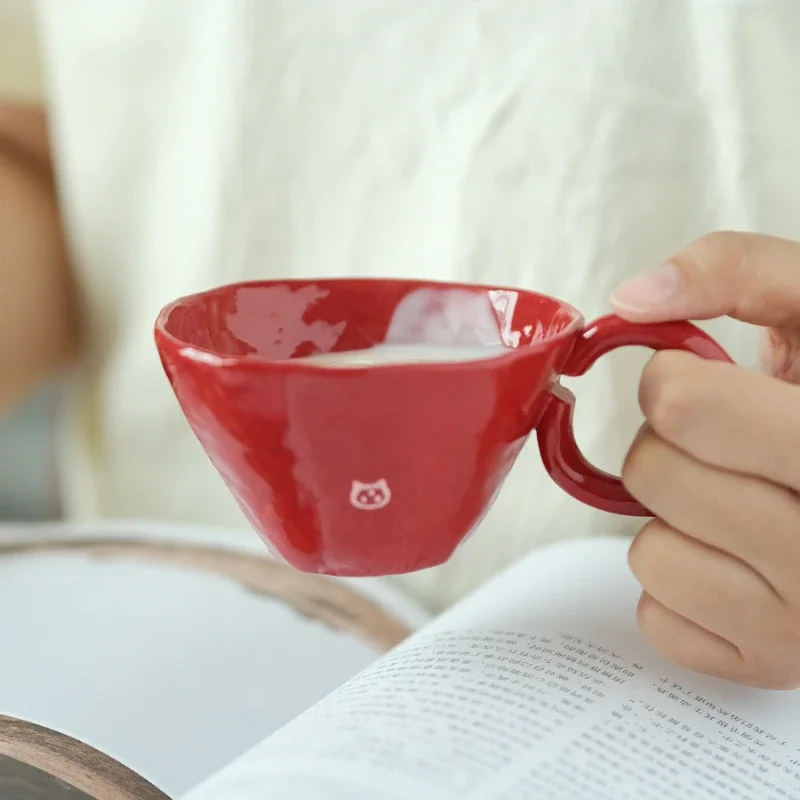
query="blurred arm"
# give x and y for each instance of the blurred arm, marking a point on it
(38, 311)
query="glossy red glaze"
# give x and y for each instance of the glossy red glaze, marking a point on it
(560, 453)
(381, 469)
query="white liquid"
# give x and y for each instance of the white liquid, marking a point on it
(383, 354)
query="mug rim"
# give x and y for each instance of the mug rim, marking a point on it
(203, 355)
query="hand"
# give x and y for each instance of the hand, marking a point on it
(718, 463)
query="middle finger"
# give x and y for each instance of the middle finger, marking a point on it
(747, 517)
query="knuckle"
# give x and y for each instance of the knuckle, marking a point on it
(718, 250)
(717, 266)
(725, 245)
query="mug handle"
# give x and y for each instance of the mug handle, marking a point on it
(560, 453)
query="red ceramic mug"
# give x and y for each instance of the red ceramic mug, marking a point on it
(382, 469)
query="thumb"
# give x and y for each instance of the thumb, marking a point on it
(752, 278)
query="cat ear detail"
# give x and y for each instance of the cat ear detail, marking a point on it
(370, 496)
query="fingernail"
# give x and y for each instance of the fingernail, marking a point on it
(650, 290)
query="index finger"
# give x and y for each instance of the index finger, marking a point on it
(749, 277)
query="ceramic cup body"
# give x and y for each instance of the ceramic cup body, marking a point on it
(385, 468)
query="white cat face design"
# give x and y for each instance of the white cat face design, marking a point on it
(370, 496)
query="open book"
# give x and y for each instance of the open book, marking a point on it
(137, 660)
(537, 686)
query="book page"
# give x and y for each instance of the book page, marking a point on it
(537, 686)
(174, 650)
